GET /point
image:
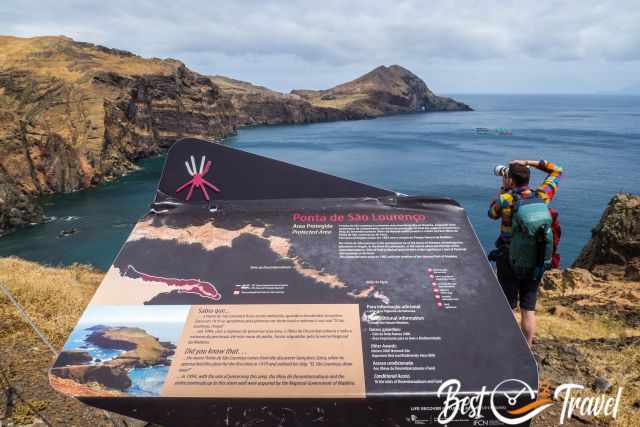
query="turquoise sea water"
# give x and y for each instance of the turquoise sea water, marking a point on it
(595, 138)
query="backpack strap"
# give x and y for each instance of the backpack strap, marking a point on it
(516, 194)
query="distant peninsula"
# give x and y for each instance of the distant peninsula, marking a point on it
(74, 114)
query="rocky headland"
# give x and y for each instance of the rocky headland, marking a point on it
(141, 350)
(382, 91)
(74, 114)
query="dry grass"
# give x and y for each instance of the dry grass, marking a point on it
(582, 327)
(598, 332)
(53, 297)
(590, 312)
(239, 87)
(340, 102)
(622, 368)
(67, 60)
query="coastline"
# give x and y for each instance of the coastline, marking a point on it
(70, 123)
(430, 147)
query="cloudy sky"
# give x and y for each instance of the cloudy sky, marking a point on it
(455, 46)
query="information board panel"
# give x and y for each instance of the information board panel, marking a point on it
(353, 308)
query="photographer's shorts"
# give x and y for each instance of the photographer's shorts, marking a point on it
(516, 290)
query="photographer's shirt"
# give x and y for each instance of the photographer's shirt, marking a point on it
(502, 207)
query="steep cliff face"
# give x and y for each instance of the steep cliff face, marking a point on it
(614, 249)
(74, 114)
(257, 105)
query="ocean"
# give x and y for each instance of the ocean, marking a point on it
(595, 138)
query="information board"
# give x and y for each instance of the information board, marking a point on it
(257, 291)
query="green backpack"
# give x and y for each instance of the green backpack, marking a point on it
(531, 244)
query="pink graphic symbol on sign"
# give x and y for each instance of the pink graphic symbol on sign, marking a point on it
(197, 180)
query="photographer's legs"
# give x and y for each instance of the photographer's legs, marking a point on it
(528, 298)
(508, 282)
(528, 324)
(520, 291)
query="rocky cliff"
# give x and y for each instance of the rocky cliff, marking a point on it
(75, 114)
(589, 318)
(614, 249)
(257, 105)
(141, 351)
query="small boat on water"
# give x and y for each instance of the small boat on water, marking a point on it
(496, 131)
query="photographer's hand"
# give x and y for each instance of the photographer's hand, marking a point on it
(533, 163)
(505, 186)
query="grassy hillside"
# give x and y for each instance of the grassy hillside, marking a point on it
(55, 299)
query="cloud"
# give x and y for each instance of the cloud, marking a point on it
(346, 35)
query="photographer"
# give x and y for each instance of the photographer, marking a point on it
(515, 192)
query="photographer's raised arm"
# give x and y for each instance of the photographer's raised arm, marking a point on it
(501, 206)
(549, 186)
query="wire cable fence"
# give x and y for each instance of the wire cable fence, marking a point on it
(11, 391)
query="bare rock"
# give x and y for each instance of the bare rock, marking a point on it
(114, 377)
(73, 357)
(577, 278)
(563, 312)
(552, 280)
(568, 279)
(632, 270)
(601, 384)
(81, 114)
(615, 241)
(17, 207)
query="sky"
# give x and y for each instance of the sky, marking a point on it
(469, 46)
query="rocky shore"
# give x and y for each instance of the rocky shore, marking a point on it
(614, 249)
(73, 114)
(141, 350)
